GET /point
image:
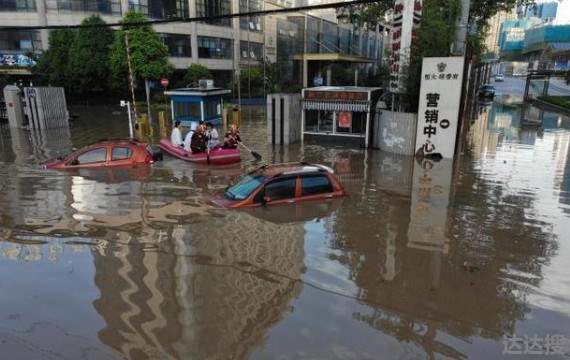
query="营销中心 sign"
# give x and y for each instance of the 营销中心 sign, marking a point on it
(438, 111)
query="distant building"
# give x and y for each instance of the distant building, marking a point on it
(492, 39)
(223, 45)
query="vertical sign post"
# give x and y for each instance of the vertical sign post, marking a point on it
(407, 17)
(440, 94)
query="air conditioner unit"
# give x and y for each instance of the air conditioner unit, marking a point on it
(206, 83)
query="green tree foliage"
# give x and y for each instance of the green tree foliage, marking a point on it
(364, 15)
(342, 75)
(89, 56)
(252, 81)
(434, 38)
(53, 65)
(149, 56)
(196, 72)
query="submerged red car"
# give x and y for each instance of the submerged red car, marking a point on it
(106, 153)
(281, 184)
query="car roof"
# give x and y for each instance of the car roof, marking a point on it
(294, 168)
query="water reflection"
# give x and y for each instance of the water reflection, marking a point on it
(137, 264)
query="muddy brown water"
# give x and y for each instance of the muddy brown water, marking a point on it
(420, 260)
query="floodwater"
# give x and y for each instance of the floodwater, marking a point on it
(420, 260)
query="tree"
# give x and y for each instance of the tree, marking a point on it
(89, 56)
(196, 72)
(434, 38)
(364, 15)
(149, 55)
(54, 62)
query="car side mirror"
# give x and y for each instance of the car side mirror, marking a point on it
(74, 162)
(265, 200)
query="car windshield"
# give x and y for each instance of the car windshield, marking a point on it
(244, 187)
(488, 87)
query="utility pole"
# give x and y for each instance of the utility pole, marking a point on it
(131, 77)
(461, 29)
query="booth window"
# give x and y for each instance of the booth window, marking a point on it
(326, 121)
(311, 120)
(357, 125)
(185, 110)
(211, 108)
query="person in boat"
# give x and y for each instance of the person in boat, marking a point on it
(198, 144)
(176, 135)
(212, 136)
(232, 138)
(188, 138)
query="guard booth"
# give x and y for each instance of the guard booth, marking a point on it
(343, 114)
(204, 103)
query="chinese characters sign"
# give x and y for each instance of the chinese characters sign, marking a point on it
(407, 16)
(335, 95)
(438, 112)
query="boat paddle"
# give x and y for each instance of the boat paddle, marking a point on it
(255, 154)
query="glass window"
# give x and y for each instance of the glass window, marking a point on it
(326, 121)
(112, 7)
(160, 9)
(311, 120)
(254, 51)
(358, 123)
(22, 40)
(316, 184)
(252, 23)
(209, 8)
(344, 40)
(244, 187)
(313, 35)
(281, 189)
(179, 45)
(214, 48)
(121, 153)
(17, 5)
(212, 108)
(92, 156)
(329, 37)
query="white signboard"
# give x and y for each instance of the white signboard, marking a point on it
(407, 16)
(440, 94)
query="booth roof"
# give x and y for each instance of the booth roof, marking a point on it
(198, 91)
(343, 88)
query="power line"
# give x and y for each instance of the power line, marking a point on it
(334, 5)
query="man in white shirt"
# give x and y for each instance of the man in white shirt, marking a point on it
(176, 136)
(212, 136)
(188, 138)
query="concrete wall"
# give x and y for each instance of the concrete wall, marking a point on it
(395, 132)
(283, 118)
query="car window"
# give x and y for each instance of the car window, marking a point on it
(121, 153)
(92, 156)
(313, 185)
(244, 187)
(281, 189)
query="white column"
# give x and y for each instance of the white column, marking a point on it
(42, 21)
(193, 31)
(367, 129)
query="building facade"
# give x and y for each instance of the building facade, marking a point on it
(222, 45)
